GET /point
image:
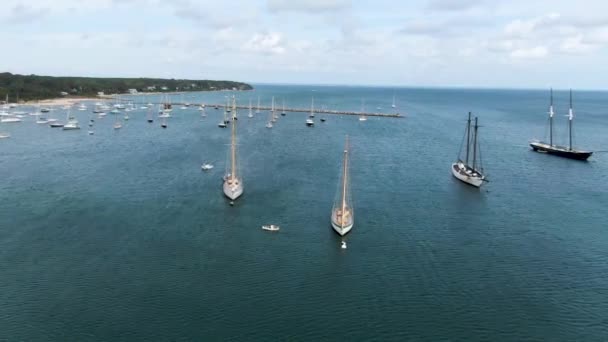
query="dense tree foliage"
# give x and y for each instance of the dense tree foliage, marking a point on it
(33, 87)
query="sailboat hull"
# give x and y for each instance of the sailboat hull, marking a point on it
(231, 191)
(460, 173)
(342, 227)
(560, 151)
(341, 230)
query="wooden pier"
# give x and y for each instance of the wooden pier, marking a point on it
(293, 110)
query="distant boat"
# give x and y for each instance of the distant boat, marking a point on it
(362, 117)
(250, 109)
(163, 123)
(82, 107)
(206, 167)
(393, 105)
(312, 108)
(233, 183)
(56, 124)
(117, 123)
(342, 213)
(271, 228)
(470, 173)
(149, 115)
(283, 111)
(257, 110)
(561, 151)
(10, 119)
(310, 122)
(322, 119)
(273, 117)
(45, 110)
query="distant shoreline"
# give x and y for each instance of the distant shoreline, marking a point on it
(70, 100)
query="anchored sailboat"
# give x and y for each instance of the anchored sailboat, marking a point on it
(562, 151)
(250, 109)
(283, 111)
(470, 173)
(342, 214)
(273, 117)
(233, 184)
(310, 122)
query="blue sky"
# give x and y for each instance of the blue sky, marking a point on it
(474, 43)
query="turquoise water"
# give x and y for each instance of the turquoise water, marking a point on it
(120, 236)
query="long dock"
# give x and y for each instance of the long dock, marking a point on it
(295, 110)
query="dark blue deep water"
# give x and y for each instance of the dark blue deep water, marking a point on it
(120, 236)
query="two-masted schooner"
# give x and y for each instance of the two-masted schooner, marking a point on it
(467, 169)
(562, 151)
(233, 183)
(342, 214)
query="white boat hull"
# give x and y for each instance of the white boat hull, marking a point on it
(475, 181)
(341, 230)
(233, 191)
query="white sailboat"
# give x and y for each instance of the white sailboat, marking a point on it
(71, 122)
(250, 109)
(273, 116)
(342, 213)
(394, 105)
(117, 123)
(233, 183)
(310, 122)
(470, 173)
(269, 123)
(257, 110)
(283, 111)
(362, 117)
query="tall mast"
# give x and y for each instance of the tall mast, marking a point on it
(344, 181)
(233, 142)
(475, 144)
(272, 108)
(250, 106)
(570, 117)
(551, 113)
(468, 137)
(312, 107)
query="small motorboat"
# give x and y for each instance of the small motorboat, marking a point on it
(343, 245)
(56, 124)
(310, 122)
(126, 117)
(363, 118)
(117, 125)
(150, 120)
(206, 167)
(322, 119)
(163, 125)
(271, 227)
(91, 132)
(222, 124)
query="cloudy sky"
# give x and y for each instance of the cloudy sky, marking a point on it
(476, 43)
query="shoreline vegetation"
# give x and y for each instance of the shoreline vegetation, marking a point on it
(28, 88)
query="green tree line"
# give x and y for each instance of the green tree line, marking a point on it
(34, 87)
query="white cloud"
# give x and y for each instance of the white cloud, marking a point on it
(268, 43)
(310, 6)
(453, 5)
(575, 45)
(530, 53)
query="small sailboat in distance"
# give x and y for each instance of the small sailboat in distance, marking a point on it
(250, 109)
(233, 183)
(257, 110)
(562, 151)
(310, 122)
(273, 117)
(342, 213)
(470, 173)
(283, 111)
(393, 105)
(362, 117)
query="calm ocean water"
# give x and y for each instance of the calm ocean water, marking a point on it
(120, 236)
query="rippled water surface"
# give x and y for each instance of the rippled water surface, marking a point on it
(120, 236)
